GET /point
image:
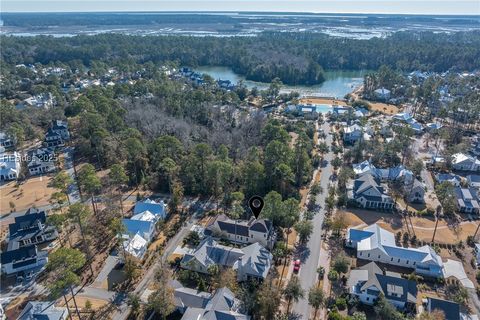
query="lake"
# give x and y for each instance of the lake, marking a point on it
(337, 83)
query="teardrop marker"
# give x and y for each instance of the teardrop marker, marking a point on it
(256, 205)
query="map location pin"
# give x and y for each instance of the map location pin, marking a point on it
(256, 205)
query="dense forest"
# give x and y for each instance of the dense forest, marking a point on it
(295, 58)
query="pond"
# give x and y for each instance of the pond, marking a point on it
(336, 85)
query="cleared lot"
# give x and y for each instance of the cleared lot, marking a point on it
(32, 191)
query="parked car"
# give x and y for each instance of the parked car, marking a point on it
(296, 265)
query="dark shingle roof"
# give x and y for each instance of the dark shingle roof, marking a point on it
(27, 221)
(23, 253)
(449, 308)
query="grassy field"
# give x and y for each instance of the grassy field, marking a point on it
(34, 190)
(423, 227)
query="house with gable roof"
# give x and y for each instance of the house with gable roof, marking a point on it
(41, 160)
(376, 244)
(243, 231)
(467, 200)
(30, 229)
(9, 166)
(464, 162)
(25, 260)
(369, 281)
(44, 310)
(368, 193)
(156, 208)
(222, 305)
(253, 261)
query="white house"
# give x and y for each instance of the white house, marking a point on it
(369, 281)
(467, 200)
(368, 193)
(6, 141)
(26, 259)
(9, 166)
(352, 134)
(463, 162)
(243, 231)
(41, 161)
(376, 244)
(382, 93)
(43, 310)
(473, 181)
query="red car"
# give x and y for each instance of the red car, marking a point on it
(296, 265)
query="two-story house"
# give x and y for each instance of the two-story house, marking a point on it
(26, 260)
(368, 193)
(250, 262)
(467, 200)
(369, 281)
(30, 229)
(9, 166)
(376, 244)
(243, 231)
(41, 161)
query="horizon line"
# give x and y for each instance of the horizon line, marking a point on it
(244, 12)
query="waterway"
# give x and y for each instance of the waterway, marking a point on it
(337, 83)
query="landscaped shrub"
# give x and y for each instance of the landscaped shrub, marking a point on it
(341, 304)
(333, 275)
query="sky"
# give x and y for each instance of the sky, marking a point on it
(441, 7)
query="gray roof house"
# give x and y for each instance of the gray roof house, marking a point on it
(467, 200)
(221, 306)
(415, 191)
(243, 231)
(449, 177)
(352, 134)
(30, 229)
(376, 244)
(41, 161)
(61, 127)
(6, 140)
(367, 193)
(369, 281)
(35, 310)
(473, 181)
(23, 261)
(464, 162)
(450, 309)
(253, 261)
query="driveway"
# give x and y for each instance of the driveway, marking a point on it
(453, 268)
(310, 255)
(110, 263)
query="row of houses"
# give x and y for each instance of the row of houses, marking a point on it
(39, 161)
(369, 281)
(369, 190)
(26, 235)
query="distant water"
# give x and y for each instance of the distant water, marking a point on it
(337, 83)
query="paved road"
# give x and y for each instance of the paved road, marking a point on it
(123, 309)
(311, 255)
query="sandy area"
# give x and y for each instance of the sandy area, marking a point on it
(34, 190)
(314, 100)
(383, 107)
(423, 227)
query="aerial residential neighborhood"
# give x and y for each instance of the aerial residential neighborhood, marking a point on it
(200, 166)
